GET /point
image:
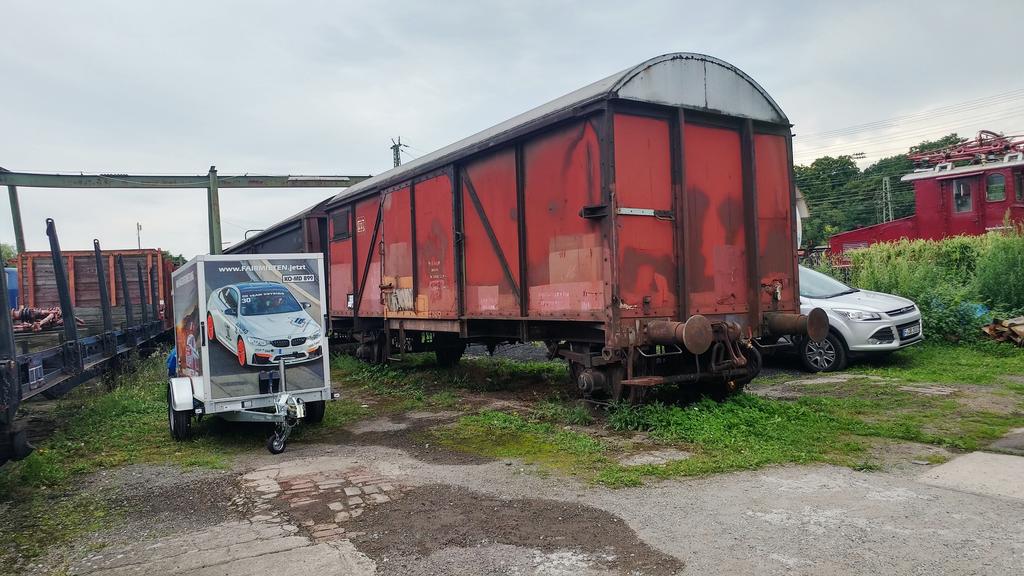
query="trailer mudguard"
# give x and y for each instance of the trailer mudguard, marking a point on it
(181, 393)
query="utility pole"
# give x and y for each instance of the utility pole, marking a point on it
(887, 215)
(138, 233)
(396, 150)
(213, 206)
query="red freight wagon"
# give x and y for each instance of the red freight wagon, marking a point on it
(642, 226)
(950, 200)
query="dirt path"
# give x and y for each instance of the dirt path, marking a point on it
(360, 508)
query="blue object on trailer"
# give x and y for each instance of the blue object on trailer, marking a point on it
(12, 287)
(172, 363)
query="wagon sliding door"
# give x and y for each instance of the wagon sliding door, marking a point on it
(717, 271)
(366, 300)
(645, 217)
(396, 285)
(490, 223)
(776, 242)
(436, 288)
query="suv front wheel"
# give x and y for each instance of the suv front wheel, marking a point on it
(828, 355)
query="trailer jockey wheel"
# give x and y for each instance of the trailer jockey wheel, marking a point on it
(279, 439)
(276, 443)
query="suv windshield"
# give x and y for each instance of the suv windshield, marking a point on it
(817, 285)
(263, 302)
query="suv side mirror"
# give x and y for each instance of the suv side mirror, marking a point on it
(307, 305)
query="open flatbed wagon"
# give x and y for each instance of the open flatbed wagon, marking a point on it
(53, 370)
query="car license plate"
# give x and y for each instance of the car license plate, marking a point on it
(910, 331)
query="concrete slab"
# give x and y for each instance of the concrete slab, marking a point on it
(980, 473)
(1012, 443)
(654, 457)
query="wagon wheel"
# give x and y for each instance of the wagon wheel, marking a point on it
(572, 388)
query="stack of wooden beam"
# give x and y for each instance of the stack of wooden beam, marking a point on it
(38, 319)
(1011, 330)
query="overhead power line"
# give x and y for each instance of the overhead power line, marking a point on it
(991, 117)
(925, 114)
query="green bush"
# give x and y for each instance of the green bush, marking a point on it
(959, 283)
(999, 276)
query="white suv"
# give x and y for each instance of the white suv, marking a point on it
(860, 322)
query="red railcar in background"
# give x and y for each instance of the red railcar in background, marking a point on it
(984, 193)
(37, 283)
(642, 226)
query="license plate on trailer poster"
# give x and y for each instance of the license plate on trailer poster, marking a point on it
(910, 331)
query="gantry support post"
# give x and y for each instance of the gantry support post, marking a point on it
(19, 234)
(213, 201)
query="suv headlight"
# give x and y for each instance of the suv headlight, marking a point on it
(315, 335)
(257, 341)
(858, 315)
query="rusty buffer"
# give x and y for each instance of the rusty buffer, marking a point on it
(38, 319)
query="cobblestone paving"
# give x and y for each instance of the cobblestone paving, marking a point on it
(319, 502)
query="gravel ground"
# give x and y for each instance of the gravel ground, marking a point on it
(499, 517)
(530, 351)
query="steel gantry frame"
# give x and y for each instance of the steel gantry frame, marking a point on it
(211, 181)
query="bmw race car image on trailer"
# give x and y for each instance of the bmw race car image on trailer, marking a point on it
(249, 335)
(263, 323)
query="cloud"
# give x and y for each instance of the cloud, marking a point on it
(322, 87)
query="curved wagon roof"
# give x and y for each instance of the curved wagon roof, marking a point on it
(684, 79)
(689, 80)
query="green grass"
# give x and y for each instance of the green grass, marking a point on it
(128, 425)
(105, 429)
(556, 411)
(417, 381)
(508, 435)
(43, 520)
(977, 363)
(831, 423)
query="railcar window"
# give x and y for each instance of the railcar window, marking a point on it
(341, 223)
(996, 189)
(962, 196)
(1019, 187)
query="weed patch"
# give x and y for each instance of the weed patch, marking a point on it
(507, 435)
(975, 363)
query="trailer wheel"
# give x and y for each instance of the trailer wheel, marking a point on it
(315, 411)
(179, 422)
(276, 443)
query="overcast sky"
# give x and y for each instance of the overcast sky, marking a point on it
(322, 87)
